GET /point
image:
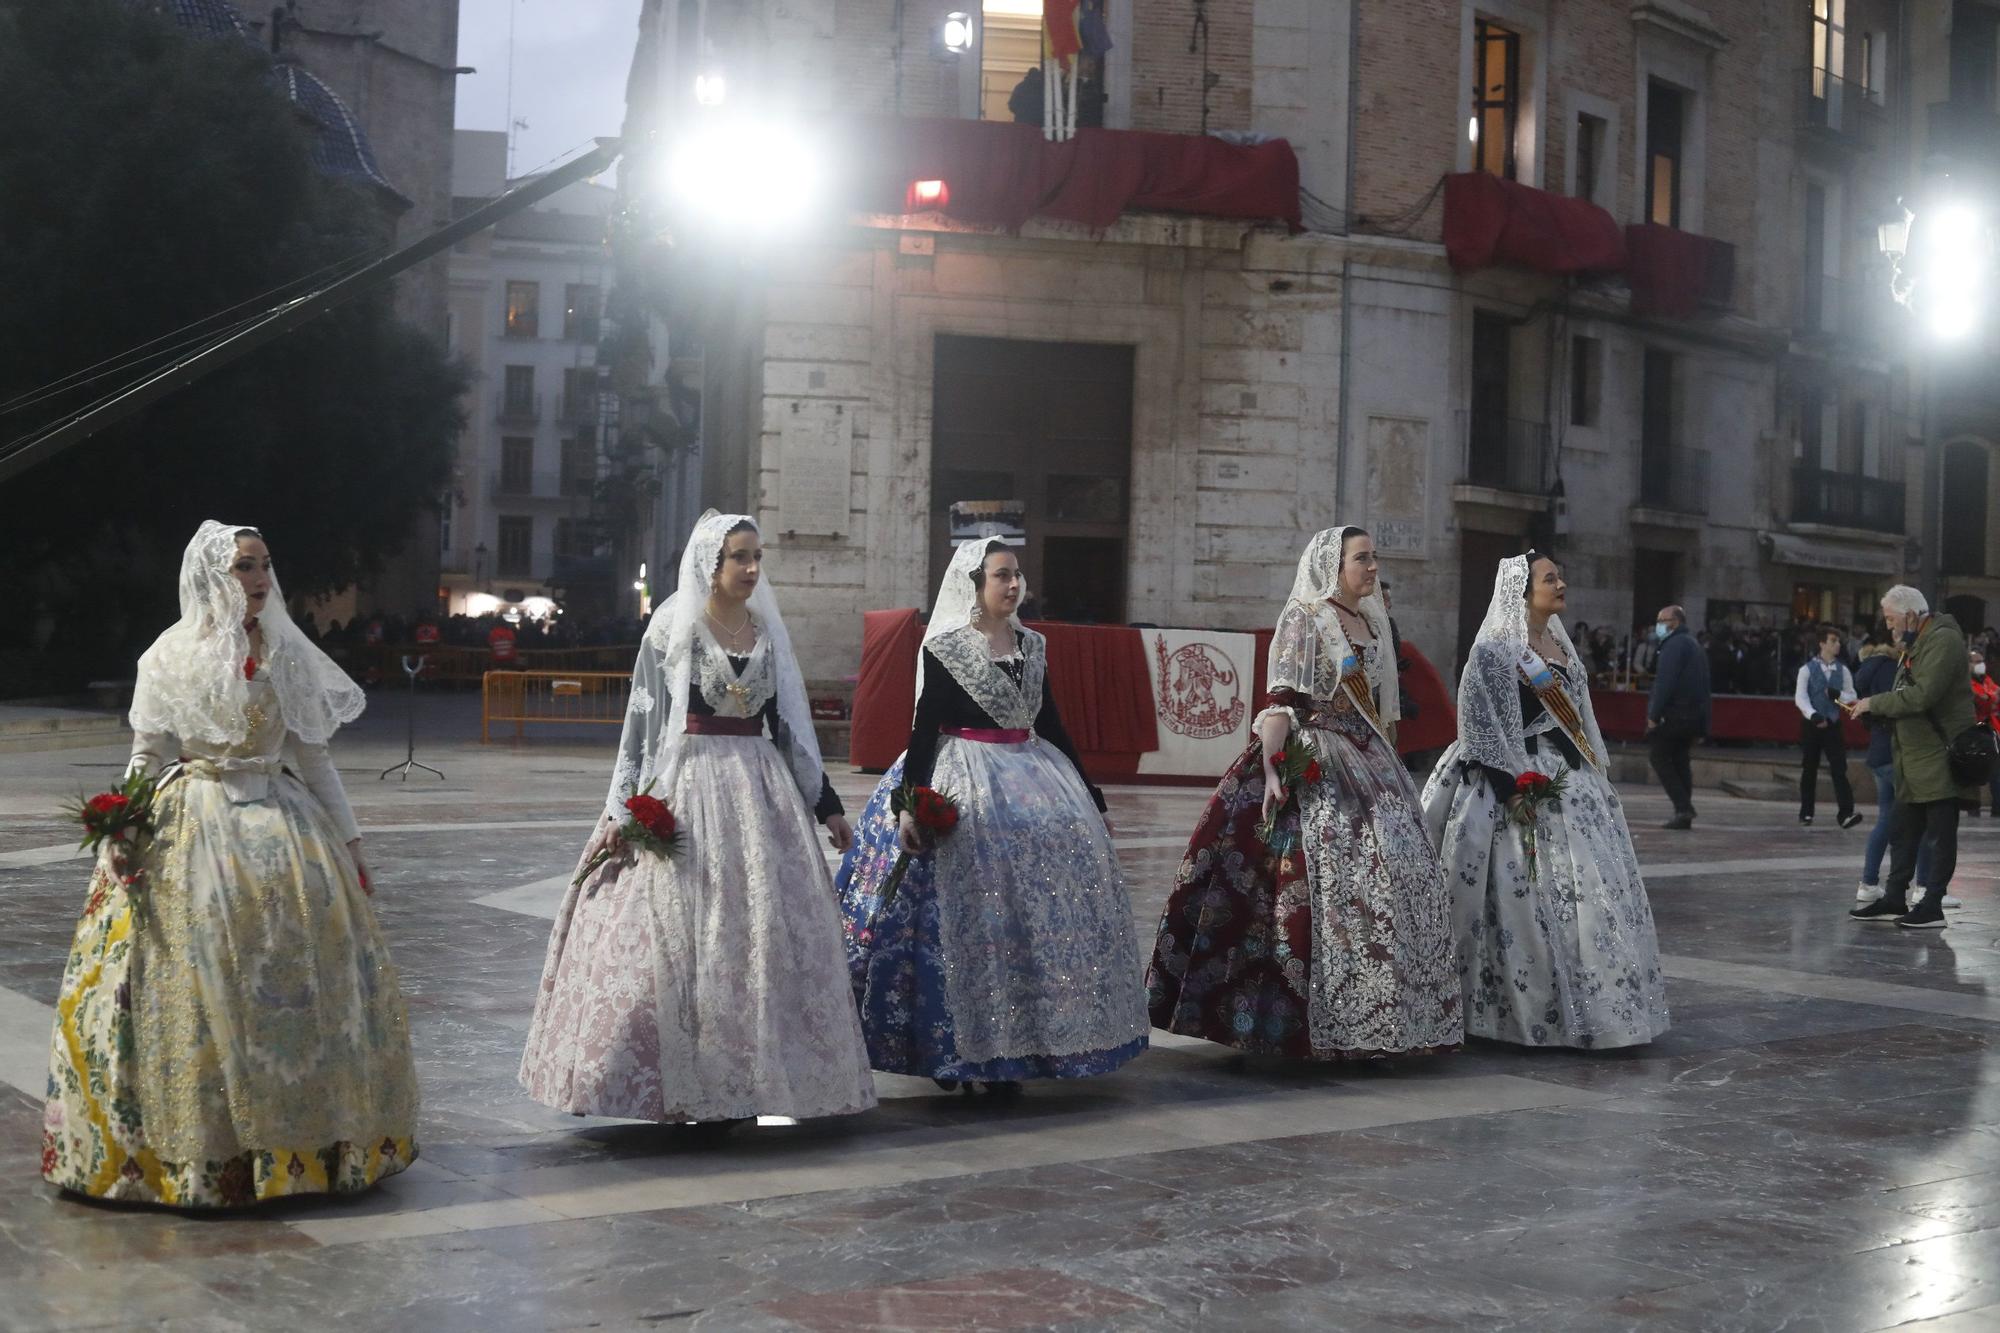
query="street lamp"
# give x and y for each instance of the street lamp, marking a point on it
(1941, 252)
(957, 34)
(1942, 259)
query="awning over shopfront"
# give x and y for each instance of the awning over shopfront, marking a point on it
(1488, 221)
(1000, 174)
(1833, 557)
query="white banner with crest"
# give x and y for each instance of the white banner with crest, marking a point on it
(1202, 694)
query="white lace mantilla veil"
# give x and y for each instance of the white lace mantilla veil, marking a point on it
(957, 603)
(1317, 580)
(1490, 729)
(671, 634)
(191, 680)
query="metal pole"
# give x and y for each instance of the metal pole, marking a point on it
(1930, 565)
(293, 313)
(411, 668)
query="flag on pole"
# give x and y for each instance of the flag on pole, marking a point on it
(1061, 38)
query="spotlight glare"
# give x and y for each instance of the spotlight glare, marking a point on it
(748, 176)
(710, 88)
(957, 33)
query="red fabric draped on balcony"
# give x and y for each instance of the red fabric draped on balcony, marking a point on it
(1000, 174)
(1674, 273)
(1488, 221)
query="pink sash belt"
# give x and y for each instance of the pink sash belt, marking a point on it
(989, 735)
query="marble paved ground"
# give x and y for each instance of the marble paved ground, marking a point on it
(1814, 1146)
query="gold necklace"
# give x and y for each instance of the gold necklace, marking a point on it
(732, 634)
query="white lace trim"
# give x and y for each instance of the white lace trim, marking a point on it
(964, 654)
(729, 694)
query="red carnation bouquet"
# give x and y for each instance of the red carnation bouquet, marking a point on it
(936, 815)
(1534, 790)
(123, 814)
(649, 825)
(1296, 765)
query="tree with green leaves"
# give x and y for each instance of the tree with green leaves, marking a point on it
(148, 179)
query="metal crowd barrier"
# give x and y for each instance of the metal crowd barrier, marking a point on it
(573, 697)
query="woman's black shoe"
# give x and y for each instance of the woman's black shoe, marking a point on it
(1805, 819)
(1880, 910)
(1850, 819)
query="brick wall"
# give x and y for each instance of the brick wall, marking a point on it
(1167, 77)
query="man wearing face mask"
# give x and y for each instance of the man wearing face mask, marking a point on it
(1931, 703)
(1677, 712)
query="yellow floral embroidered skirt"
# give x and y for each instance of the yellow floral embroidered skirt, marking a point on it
(231, 1029)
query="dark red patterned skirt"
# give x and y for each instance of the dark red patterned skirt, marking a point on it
(1233, 962)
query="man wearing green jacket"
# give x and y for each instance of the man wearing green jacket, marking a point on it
(1930, 703)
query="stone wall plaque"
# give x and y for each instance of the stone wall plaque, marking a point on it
(1399, 450)
(814, 472)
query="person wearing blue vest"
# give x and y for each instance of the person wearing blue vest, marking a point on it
(1824, 684)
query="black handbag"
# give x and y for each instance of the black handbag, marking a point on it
(1971, 754)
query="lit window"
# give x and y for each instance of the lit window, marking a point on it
(1496, 97)
(523, 302)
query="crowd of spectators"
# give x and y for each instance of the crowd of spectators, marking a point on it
(1742, 659)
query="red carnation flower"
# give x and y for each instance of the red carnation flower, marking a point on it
(653, 815)
(249, 668)
(1312, 771)
(107, 803)
(934, 811)
(1529, 784)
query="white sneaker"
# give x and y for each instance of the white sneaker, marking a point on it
(1950, 901)
(1867, 893)
(1917, 896)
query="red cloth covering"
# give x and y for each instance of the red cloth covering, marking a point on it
(1000, 174)
(1621, 716)
(1097, 674)
(1488, 221)
(1673, 272)
(1436, 723)
(885, 698)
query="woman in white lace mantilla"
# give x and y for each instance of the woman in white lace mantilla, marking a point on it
(1556, 940)
(230, 1028)
(1006, 953)
(708, 985)
(1330, 938)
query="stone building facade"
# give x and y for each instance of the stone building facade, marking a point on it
(1278, 383)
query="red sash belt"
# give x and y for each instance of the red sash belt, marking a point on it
(703, 724)
(989, 735)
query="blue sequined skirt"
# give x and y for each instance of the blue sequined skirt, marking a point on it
(894, 958)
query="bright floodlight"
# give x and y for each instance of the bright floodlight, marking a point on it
(1955, 249)
(751, 176)
(958, 33)
(1472, 130)
(710, 88)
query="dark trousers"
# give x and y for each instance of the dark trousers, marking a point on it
(1824, 741)
(1915, 821)
(1671, 744)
